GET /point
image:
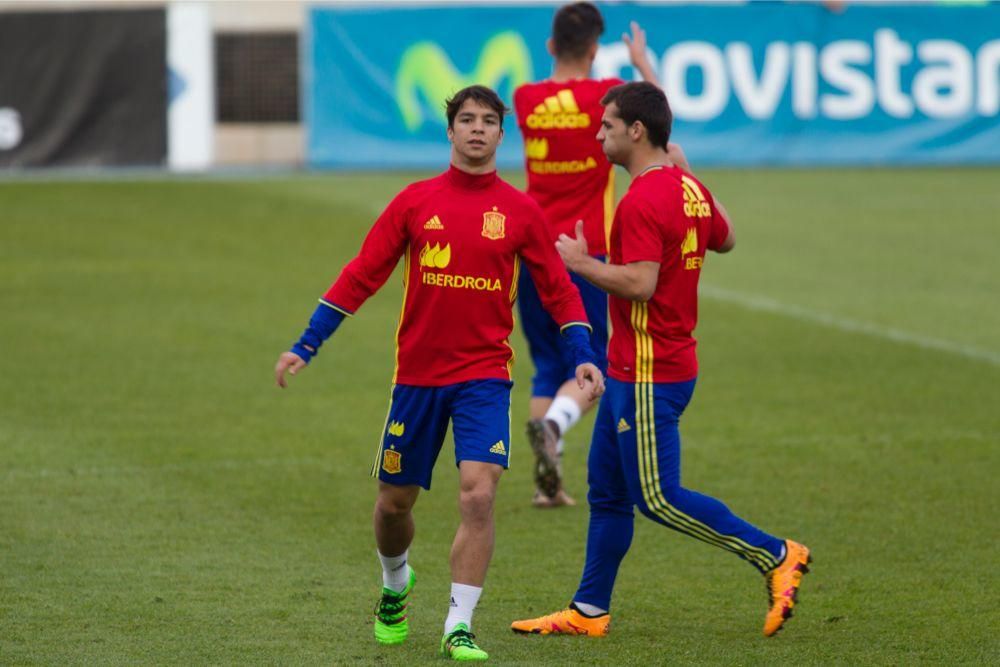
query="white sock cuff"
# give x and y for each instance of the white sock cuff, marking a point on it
(589, 609)
(392, 562)
(467, 592)
(464, 599)
(395, 570)
(564, 412)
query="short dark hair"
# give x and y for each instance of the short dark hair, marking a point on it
(480, 94)
(575, 28)
(646, 103)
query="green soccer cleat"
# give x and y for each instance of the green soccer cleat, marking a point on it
(458, 645)
(391, 626)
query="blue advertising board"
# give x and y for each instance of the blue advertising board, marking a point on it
(749, 84)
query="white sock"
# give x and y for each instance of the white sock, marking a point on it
(395, 571)
(564, 412)
(589, 609)
(463, 602)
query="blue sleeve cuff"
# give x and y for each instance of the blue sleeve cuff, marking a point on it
(577, 336)
(322, 324)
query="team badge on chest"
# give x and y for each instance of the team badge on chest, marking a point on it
(493, 224)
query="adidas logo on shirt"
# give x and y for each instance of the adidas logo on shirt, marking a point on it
(695, 205)
(558, 112)
(434, 223)
(498, 448)
(623, 425)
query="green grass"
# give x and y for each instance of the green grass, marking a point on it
(161, 502)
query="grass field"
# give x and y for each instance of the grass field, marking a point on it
(162, 503)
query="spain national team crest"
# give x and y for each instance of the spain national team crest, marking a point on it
(392, 461)
(493, 224)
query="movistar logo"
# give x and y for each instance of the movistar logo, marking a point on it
(425, 70)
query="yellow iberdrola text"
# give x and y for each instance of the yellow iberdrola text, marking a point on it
(563, 167)
(461, 282)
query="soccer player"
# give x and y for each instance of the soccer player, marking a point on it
(571, 180)
(462, 236)
(662, 229)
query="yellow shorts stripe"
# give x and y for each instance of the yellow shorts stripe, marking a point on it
(381, 436)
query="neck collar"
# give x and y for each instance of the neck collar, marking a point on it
(464, 179)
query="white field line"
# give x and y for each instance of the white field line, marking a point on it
(187, 466)
(766, 305)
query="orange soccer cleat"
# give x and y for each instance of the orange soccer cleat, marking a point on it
(783, 585)
(566, 622)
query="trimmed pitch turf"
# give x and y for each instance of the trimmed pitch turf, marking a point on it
(161, 502)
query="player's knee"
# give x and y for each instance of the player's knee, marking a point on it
(607, 503)
(476, 503)
(392, 504)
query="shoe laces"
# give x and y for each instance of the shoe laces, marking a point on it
(390, 606)
(461, 638)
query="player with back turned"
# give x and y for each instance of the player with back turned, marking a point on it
(662, 229)
(462, 237)
(571, 180)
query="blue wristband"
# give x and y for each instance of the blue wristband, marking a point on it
(322, 324)
(577, 335)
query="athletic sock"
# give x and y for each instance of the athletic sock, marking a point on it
(395, 571)
(463, 602)
(588, 610)
(564, 412)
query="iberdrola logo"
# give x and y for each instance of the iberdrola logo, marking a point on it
(690, 242)
(426, 70)
(435, 257)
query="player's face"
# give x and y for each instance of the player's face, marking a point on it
(613, 135)
(475, 132)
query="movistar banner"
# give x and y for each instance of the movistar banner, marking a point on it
(761, 83)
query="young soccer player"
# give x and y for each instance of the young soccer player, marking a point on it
(662, 229)
(571, 180)
(462, 236)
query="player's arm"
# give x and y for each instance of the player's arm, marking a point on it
(723, 237)
(562, 301)
(635, 281)
(358, 280)
(636, 44)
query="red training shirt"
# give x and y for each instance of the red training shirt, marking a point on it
(568, 174)
(666, 216)
(462, 237)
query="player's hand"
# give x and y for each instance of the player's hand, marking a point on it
(290, 362)
(573, 250)
(676, 155)
(589, 374)
(636, 44)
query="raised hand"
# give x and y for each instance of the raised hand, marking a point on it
(573, 250)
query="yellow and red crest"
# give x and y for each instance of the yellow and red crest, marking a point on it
(493, 224)
(392, 461)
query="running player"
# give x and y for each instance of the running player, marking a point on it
(662, 229)
(570, 178)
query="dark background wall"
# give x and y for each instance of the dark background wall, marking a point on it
(83, 88)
